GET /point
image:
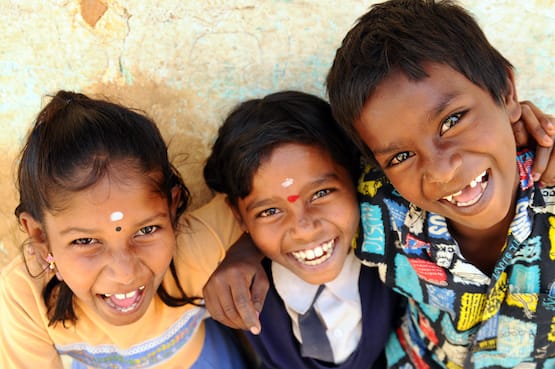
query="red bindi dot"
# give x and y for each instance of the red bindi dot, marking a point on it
(292, 198)
(118, 229)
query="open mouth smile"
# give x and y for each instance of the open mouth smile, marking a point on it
(316, 255)
(124, 302)
(471, 193)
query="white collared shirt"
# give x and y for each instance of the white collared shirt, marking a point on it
(338, 304)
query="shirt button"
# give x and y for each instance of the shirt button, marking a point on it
(338, 333)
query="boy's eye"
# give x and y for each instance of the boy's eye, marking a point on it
(84, 241)
(321, 193)
(268, 212)
(147, 230)
(450, 122)
(399, 158)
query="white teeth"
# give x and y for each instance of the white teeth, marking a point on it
(123, 296)
(474, 200)
(318, 252)
(472, 184)
(315, 256)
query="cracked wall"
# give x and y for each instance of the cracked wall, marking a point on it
(188, 62)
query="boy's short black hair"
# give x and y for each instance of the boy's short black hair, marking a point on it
(403, 35)
(256, 127)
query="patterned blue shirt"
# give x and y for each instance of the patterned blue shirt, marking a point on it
(456, 315)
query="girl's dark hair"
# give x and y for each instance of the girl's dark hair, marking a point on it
(73, 144)
(255, 127)
(403, 35)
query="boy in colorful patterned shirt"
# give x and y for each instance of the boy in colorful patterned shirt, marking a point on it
(417, 84)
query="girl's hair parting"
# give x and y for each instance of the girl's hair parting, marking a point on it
(74, 142)
(256, 127)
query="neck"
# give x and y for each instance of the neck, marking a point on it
(482, 247)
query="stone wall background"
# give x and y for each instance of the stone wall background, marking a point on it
(188, 62)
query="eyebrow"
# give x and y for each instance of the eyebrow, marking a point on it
(431, 115)
(442, 104)
(261, 203)
(68, 230)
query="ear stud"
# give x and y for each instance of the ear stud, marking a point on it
(50, 261)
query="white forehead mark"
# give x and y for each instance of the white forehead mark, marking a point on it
(287, 182)
(116, 215)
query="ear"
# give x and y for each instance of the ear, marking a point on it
(512, 105)
(176, 199)
(36, 233)
(237, 215)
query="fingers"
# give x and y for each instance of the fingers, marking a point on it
(259, 289)
(228, 299)
(541, 126)
(541, 160)
(536, 126)
(243, 310)
(544, 166)
(520, 133)
(216, 301)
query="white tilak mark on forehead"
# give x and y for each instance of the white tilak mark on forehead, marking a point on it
(116, 215)
(287, 182)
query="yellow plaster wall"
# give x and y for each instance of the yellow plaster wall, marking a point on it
(187, 62)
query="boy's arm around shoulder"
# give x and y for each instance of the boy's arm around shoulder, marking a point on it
(235, 293)
(24, 340)
(536, 128)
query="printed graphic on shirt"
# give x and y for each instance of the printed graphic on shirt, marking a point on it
(458, 316)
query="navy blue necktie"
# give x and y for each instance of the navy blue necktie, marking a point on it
(313, 333)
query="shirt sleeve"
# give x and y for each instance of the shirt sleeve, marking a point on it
(24, 342)
(204, 236)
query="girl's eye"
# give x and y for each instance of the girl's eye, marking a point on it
(321, 193)
(268, 212)
(399, 158)
(84, 241)
(147, 230)
(450, 122)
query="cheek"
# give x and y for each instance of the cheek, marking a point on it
(267, 244)
(82, 282)
(267, 240)
(350, 210)
(158, 259)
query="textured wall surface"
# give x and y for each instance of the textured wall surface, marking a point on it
(187, 62)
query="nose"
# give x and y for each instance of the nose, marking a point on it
(442, 167)
(304, 224)
(123, 266)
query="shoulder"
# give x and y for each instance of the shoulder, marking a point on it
(21, 294)
(15, 276)
(203, 237)
(212, 222)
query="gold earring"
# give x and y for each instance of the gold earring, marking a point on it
(50, 261)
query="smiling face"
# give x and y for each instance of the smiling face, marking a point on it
(445, 145)
(302, 211)
(112, 244)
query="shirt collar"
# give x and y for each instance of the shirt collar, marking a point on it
(298, 294)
